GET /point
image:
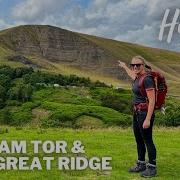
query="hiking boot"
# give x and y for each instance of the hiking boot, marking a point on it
(139, 167)
(150, 171)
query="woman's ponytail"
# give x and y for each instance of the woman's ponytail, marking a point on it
(148, 67)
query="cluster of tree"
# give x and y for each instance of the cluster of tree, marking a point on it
(18, 83)
(39, 77)
(11, 88)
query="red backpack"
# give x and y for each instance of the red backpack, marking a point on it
(160, 87)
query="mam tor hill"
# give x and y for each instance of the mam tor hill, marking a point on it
(61, 51)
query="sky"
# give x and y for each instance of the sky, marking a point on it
(135, 21)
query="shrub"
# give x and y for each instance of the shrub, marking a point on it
(66, 113)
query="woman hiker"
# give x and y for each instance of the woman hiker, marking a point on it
(143, 116)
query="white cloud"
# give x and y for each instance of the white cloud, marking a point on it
(98, 4)
(146, 34)
(33, 10)
(157, 7)
(4, 24)
(137, 3)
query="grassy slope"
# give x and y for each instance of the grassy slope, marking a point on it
(77, 102)
(117, 143)
(125, 51)
(65, 106)
(167, 62)
(57, 107)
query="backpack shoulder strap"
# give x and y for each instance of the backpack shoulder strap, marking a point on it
(141, 83)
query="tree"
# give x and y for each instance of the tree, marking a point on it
(8, 71)
(26, 92)
(14, 93)
(21, 92)
(2, 93)
(5, 81)
(20, 71)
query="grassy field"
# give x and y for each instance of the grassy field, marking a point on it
(115, 142)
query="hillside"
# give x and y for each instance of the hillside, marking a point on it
(58, 50)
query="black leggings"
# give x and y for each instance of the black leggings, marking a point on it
(144, 137)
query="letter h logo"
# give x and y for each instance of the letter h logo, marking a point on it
(171, 25)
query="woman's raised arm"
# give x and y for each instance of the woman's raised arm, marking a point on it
(127, 69)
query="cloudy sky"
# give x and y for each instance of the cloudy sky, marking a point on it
(136, 21)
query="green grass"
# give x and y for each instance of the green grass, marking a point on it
(114, 142)
(68, 104)
(77, 95)
(63, 106)
(67, 113)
